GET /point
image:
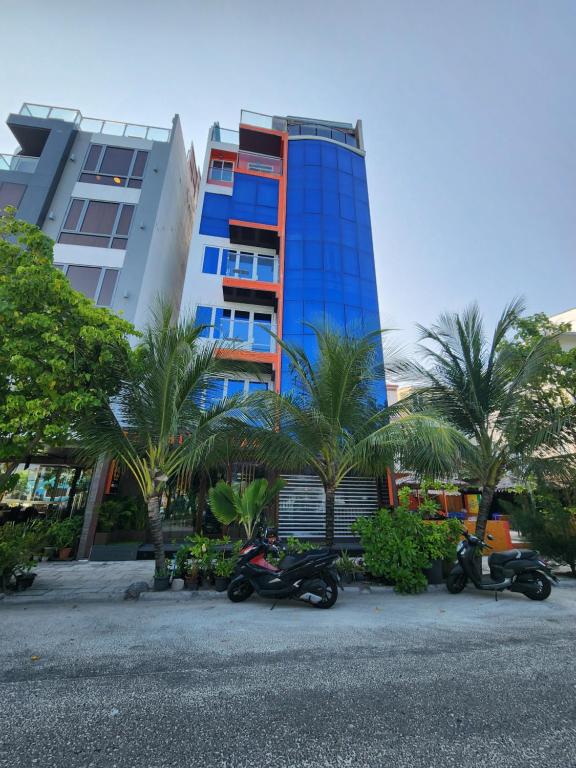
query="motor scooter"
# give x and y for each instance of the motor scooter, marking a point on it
(310, 576)
(518, 570)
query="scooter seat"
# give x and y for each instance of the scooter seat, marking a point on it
(288, 561)
(499, 558)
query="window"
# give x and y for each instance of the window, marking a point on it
(219, 389)
(246, 329)
(221, 170)
(11, 194)
(100, 224)
(96, 283)
(114, 166)
(244, 265)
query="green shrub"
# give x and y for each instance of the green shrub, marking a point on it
(399, 545)
(19, 542)
(548, 526)
(295, 546)
(126, 513)
(64, 533)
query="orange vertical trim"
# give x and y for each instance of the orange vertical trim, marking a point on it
(391, 494)
(110, 476)
(281, 254)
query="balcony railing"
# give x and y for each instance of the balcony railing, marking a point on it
(262, 269)
(253, 161)
(224, 135)
(21, 163)
(258, 120)
(247, 335)
(96, 125)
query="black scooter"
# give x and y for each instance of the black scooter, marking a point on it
(519, 570)
(311, 576)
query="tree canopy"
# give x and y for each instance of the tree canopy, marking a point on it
(56, 347)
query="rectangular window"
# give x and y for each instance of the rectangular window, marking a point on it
(97, 223)
(96, 283)
(210, 263)
(11, 194)
(221, 170)
(114, 166)
(246, 329)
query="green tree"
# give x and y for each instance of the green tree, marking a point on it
(333, 423)
(234, 504)
(480, 385)
(57, 349)
(161, 422)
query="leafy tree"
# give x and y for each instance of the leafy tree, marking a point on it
(57, 350)
(479, 385)
(161, 422)
(333, 424)
(231, 504)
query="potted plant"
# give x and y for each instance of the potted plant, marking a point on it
(161, 579)
(223, 570)
(192, 575)
(347, 568)
(63, 534)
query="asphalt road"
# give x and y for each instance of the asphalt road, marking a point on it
(379, 680)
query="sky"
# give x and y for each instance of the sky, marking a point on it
(468, 111)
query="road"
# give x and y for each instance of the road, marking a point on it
(379, 680)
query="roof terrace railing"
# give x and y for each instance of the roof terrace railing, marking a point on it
(96, 125)
(259, 120)
(225, 135)
(21, 163)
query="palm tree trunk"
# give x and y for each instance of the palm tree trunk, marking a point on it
(153, 503)
(330, 503)
(484, 510)
(200, 503)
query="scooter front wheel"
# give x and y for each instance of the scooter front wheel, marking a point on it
(239, 590)
(456, 582)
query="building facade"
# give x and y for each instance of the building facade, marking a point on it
(118, 199)
(283, 238)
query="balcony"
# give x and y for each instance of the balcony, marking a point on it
(96, 125)
(248, 335)
(224, 135)
(251, 279)
(20, 163)
(254, 161)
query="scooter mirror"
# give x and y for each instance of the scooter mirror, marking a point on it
(490, 537)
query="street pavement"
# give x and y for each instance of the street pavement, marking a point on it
(379, 680)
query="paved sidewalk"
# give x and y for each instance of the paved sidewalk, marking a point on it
(83, 580)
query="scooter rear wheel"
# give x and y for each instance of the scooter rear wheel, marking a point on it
(542, 585)
(330, 594)
(238, 591)
(456, 582)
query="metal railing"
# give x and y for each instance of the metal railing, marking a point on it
(245, 334)
(22, 163)
(224, 135)
(253, 161)
(96, 125)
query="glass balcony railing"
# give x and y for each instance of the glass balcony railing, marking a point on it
(253, 161)
(21, 163)
(95, 125)
(225, 135)
(247, 335)
(258, 120)
(245, 266)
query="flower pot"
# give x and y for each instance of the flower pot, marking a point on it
(24, 580)
(221, 583)
(434, 572)
(348, 578)
(161, 583)
(48, 553)
(64, 553)
(191, 582)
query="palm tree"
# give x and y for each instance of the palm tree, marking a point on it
(480, 386)
(162, 424)
(333, 423)
(231, 504)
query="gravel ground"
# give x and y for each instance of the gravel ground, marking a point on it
(379, 680)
